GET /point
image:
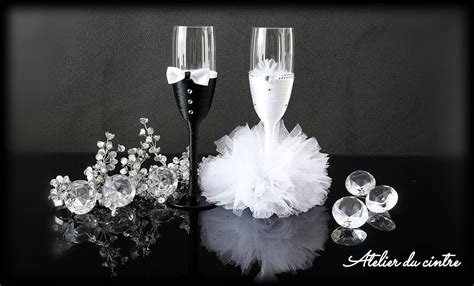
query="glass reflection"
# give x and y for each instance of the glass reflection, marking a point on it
(355, 236)
(278, 245)
(381, 221)
(137, 223)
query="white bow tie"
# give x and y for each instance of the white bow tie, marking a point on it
(199, 76)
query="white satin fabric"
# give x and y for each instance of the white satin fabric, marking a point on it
(199, 76)
(270, 98)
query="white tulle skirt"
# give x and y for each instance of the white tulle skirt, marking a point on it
(289, 180)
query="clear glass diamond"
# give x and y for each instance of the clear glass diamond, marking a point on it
(350, 212)
(381, 199)
(381, 222)
(162, 182)
(81, 228)
(117, 192)
(80, 197)
(348, 236)
(359, 183)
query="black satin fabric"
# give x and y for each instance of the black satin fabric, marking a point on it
(201, 96)
(202, 99)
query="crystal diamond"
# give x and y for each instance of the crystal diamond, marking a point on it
(80, 197)
(381, 199)
(81, 228)
(359, 183)
(162, 182)
(117, 192)
(348, 236)
(381, 222)
(350, 212)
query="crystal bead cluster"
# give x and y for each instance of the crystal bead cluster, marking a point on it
(351, 213)
(118, 190)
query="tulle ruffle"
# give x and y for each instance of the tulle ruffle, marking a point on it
(290, 180)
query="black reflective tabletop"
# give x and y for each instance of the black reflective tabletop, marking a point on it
(146, 242)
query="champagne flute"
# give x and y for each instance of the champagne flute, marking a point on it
(193, 78)
(271, 76)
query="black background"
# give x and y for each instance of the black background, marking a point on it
(369, 79)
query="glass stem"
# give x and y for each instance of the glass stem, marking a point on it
(193, 177)
(269, 128)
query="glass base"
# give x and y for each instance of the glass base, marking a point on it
(191, 203)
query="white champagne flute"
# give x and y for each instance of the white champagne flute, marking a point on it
(271, 76)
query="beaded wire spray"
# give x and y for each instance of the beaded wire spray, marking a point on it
(114, 191)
